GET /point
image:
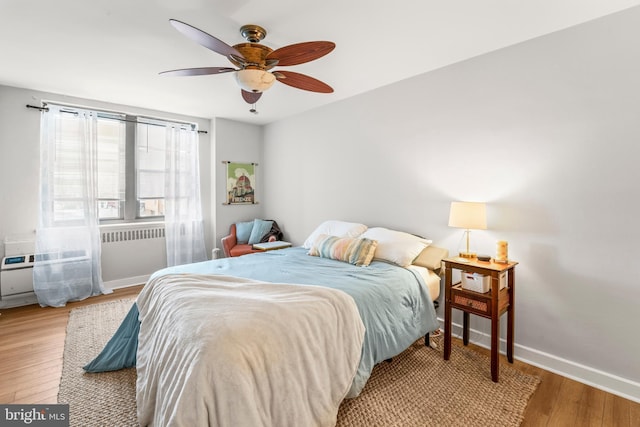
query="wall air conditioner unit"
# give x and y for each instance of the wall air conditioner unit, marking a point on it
(16, 281)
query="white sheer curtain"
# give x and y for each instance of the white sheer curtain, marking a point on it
(184, 227)
(67, 266)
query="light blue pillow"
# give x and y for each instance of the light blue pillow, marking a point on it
(260, 229)
(243, 231)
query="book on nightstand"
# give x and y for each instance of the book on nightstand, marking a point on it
(268, 246)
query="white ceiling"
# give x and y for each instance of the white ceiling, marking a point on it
(112, 50)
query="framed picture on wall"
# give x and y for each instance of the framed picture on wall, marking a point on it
(241, 181)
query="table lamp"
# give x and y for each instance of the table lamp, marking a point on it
(470, 216)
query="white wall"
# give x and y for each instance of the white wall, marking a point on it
(548, 133)
(20, 163)
(236, 142)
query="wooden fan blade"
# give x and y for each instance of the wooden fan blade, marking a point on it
(250, 97)
(301, 52)
(202, 71)
(302, 81)
(204, 39)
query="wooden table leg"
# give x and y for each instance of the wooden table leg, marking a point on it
(447, 313)
(495, 345)
(495, 328)
(511, 313)
(465, 328)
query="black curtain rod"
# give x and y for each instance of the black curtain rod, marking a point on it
(38, 108)
(35, 107)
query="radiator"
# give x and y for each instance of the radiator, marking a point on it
(131, 252)
(109, 235)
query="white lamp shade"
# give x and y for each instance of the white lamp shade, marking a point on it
(469, 215)
(255, 80)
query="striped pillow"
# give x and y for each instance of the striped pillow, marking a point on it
(355, 251)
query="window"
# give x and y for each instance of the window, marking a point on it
(68, 197)
(150, 166)
(130, 163)
(111, 168)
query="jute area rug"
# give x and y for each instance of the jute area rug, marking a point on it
(418, 388)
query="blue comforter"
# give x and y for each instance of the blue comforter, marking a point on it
(393, 302)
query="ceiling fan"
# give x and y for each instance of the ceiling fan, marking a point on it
(254, 61)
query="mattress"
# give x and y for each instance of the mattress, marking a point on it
(431, 280)
(395, 303)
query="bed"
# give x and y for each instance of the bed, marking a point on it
(274, 338)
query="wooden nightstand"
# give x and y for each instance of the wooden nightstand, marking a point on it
(491, 305)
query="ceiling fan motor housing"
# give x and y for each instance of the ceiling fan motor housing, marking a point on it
(254, 56)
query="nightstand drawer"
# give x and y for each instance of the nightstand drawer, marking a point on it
(473, 305)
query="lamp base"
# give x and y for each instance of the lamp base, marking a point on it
(469, 255)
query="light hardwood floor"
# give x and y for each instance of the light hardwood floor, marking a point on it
(32, 343)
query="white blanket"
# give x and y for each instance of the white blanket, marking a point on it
(226, 351)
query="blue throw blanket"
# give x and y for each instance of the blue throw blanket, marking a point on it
(393, 302)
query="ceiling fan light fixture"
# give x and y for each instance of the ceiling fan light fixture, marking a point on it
(253, 80)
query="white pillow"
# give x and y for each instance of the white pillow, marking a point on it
(397, 247)
(335, 228)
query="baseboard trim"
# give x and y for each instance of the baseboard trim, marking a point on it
(125, 283)
(593, 377)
